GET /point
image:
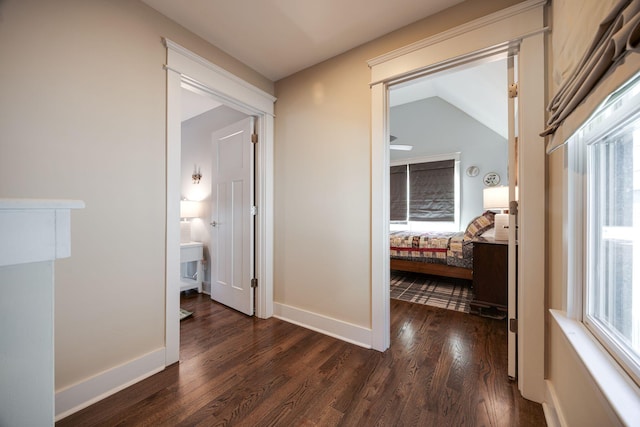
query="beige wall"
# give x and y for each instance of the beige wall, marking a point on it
(82, 116)
(323, 174)
(581, 402)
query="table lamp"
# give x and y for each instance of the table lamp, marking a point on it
(188, 209)
(497, 198)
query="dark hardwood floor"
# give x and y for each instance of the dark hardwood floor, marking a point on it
(443, 368)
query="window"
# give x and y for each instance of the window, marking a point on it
(398, 192)
(425, 190)
(605, 154)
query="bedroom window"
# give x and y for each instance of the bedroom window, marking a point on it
(425, 190)
(605, 158)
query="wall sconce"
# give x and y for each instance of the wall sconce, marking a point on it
(196, 175)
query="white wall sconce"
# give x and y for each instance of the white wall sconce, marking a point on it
(196, 175)
(188, 209)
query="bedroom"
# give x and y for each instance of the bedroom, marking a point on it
(456, 119)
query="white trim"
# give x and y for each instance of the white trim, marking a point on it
(35, 204)
(192, 59)
(186, 67)
(426, 159)
(380, 263)
(618, 389)
(482, 38)
(497, 34)
(339, 329)
(532, 218)
(265, 220)
(553, 414)
(172, 244)
(85, 393)
(35, 230)
(460, 30)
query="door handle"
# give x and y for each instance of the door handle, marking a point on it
(213, 224)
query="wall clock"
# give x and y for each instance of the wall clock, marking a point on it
(491, 179)
(473, 171)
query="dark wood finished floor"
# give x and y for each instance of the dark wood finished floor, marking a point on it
(443, 368)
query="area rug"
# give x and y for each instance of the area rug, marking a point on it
(430, 290)
(185, 313)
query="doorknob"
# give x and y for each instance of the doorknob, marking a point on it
(213, 224)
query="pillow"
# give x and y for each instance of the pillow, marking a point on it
(479, 225)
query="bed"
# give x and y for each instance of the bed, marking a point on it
(448, 254)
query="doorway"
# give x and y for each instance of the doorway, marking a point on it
(186, 68)
(449, 153)
(520, 29)
(202, 117)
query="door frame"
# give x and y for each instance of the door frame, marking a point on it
(519, 27)
(185, 67)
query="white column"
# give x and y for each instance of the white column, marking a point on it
(33, 234)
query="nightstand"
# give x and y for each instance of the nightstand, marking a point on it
(191, 266)
(490, 275)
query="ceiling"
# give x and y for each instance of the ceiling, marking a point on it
(194, 104)
(479, 90)
(278, 38)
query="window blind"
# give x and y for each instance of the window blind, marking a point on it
(611, 59)
(398, 193)
(432, 191)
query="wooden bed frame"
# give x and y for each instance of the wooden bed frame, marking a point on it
(434, 269)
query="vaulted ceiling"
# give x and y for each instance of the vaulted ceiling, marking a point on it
(480, 91)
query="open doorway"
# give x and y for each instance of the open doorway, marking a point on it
(515, 30)
(448, 152)
(186, 68)
(452, 163)
(202, 117)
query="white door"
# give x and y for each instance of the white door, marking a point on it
(232, 225)
(512, 336)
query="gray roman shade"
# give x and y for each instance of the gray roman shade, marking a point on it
(432, 191)
(611, 59)
(398, 193)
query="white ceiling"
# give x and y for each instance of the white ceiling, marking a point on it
(277, 38)
(194, 104)
(280, 37)
(479, 90)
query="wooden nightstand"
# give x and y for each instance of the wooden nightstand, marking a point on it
(490, 275)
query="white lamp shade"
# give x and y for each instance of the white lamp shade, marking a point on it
(496, 197)
(190, 209)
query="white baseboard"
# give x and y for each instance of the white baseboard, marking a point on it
(82, 394)
(339, 329)
(551, 407)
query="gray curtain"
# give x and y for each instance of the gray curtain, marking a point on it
(432, 191)
(398, 193)
(617, 36)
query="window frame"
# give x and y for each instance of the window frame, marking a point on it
(431, 225)
(577, 220)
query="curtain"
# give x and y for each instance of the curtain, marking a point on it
(432, 191)
(610, 60)
(398, 193)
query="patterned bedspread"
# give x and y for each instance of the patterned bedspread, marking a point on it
(433, 247)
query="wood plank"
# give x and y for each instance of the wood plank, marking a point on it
(443, 368)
